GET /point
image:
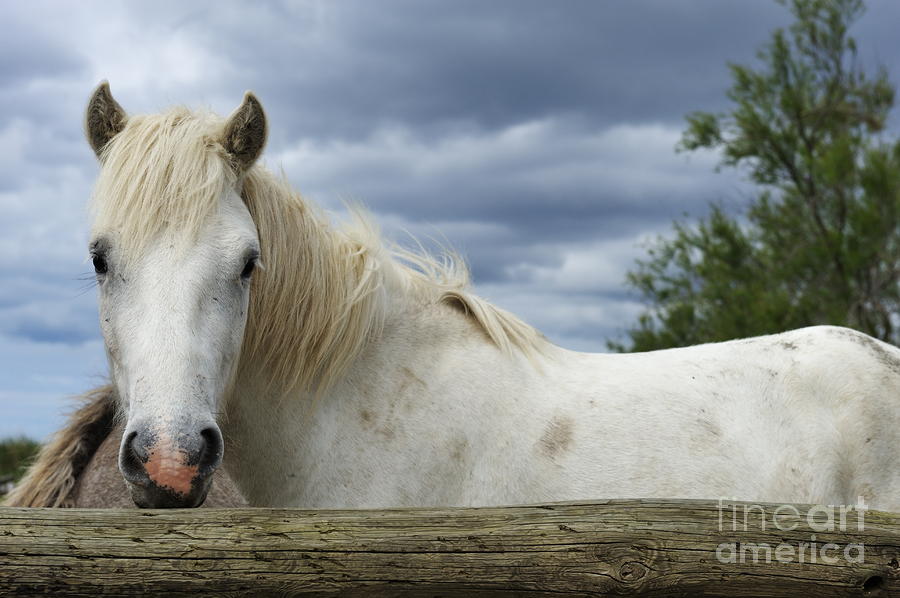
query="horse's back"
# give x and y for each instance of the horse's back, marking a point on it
(811, 415)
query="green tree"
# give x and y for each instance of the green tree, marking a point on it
(820, 244)
(16, 455)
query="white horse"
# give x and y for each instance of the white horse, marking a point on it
(347, 374)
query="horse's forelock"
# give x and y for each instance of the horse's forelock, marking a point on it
(163, 173)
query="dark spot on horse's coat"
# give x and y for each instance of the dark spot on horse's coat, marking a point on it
(788, 345)
(366, 416)
(709, 426)
(891, 362)
(458, 449)
(409, 378)
(557, 436)
(387, 432)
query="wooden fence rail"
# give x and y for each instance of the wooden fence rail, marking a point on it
(615, 547)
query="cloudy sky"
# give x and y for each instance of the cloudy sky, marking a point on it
(537, 138)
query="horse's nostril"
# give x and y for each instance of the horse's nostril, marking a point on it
(136, 447)
(211, 451)
(131, 459)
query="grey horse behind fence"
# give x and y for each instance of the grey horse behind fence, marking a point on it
(78, 467)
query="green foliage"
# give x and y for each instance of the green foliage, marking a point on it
(16, 455)
(819, 245)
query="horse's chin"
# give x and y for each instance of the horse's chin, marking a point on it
(153, 496)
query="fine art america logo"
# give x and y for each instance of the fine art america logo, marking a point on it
(742, 517)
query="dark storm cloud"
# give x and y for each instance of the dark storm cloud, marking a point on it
(440, 70)
(528, 187)
(432, 65)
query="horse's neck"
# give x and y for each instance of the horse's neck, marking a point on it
(312, 311)
(429, 359)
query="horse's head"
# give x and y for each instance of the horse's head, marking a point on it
(174, 248)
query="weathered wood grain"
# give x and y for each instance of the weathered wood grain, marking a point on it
(615, 547)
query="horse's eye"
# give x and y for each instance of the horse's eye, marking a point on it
(248, 268)
(100, 266)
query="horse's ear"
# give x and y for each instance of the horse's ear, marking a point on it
(103, 119)
(245, 132)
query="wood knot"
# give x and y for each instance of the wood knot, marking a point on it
(632, 571)
(873, 586)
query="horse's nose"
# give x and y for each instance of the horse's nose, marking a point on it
(170, 469)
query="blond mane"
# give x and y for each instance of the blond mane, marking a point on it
(321, 294)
